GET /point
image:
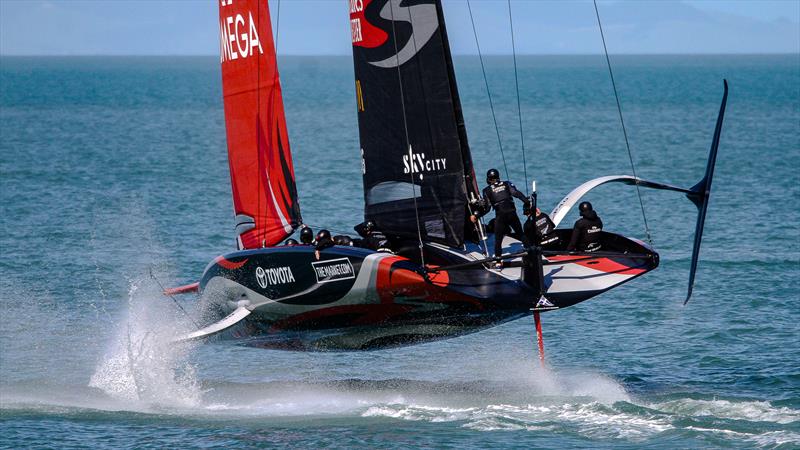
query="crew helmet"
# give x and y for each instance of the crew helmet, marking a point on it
(585, 208)
(323, 235)
(306, 235)
(291, 242)
(492, 175)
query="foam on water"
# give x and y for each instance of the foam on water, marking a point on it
(745, 410)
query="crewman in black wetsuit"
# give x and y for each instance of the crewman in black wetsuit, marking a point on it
(306, 235)
(341, 239)
(373, 238)
(500, 196)
(324, 240)
(586, 232)
(540, 229)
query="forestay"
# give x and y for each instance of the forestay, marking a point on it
(262, 175)
(416, 161)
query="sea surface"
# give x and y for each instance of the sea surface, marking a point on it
(114, 182)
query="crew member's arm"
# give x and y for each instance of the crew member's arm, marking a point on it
(516, 193)
(481, 207)
(322, 245)
(576, 233)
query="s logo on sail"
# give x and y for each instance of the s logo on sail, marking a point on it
(422, 17)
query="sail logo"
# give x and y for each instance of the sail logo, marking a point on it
(238, 38)
(363, 33)
(274, 276)
(417, 163)
(424, 22)
(333, 270)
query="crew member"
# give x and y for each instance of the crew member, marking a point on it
(499, 195)
(341, 239)
(291, 242)
(586, 232)
(372, 238)
(324, 240)
(540, 230)
(306, 235)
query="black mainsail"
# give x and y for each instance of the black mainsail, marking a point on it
(418, 174)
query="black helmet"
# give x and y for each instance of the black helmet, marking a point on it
(585, 208)
(492, 175)
(323, 235)
(306, 235)
(290, 242)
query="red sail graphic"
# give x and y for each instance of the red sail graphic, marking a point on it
(262, 174)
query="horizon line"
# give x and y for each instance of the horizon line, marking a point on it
(210, 55)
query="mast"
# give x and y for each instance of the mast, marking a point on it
(259, 157)
(416, 162)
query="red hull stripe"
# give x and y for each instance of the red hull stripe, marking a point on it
(600, 264)
(230, 265)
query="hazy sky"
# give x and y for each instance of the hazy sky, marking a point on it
(190, 27)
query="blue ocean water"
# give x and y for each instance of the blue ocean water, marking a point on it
(111, 168)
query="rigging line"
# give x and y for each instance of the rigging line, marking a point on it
(488, 92)
(163, 290)
(519, 107)
(622, 122)
(405, 128)
(277, 30)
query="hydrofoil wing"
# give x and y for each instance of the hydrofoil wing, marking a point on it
(228, 321)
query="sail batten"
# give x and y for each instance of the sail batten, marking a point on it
(262, 175)
(416, 159)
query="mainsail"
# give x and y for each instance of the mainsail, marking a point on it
(417, 167)
(262, 174)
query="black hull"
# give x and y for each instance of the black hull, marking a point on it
(357, 299)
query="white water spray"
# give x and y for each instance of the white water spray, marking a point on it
(141, 365)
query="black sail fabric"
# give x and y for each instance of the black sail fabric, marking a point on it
(413, 143)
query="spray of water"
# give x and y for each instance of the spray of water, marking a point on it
(141, 365)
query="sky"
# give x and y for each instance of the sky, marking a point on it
(321, 27)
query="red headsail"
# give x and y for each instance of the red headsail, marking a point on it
(262, 174)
